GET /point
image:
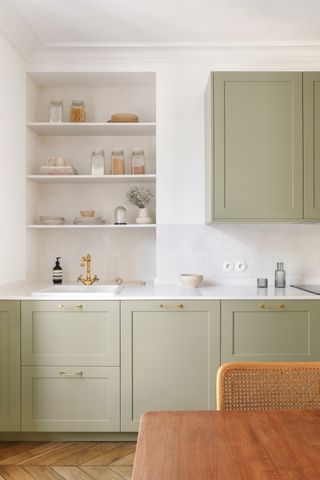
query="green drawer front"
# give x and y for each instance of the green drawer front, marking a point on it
(270, 331)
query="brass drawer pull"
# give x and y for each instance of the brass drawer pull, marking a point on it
(65, 307)
(163, 305)
(280, 306)
(71, 375)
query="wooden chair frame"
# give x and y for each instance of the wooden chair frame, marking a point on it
(268, 386)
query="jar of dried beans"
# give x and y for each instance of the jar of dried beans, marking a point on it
(137, 162)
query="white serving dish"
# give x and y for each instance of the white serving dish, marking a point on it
(47, 220)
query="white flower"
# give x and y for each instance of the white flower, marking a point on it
(139, 196)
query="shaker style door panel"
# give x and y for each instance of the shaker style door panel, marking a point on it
(64, 399)
(9, 366)
(311, 119)
(257, 146)
(71, 333)
(270, 330)
(170, 352)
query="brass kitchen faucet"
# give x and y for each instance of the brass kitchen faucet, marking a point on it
(88, 280)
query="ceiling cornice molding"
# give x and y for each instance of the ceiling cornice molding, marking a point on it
(172, 45)
(18, 31)
(278, 56)
(264, 55)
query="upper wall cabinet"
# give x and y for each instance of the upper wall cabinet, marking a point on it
(311, 119)
(254, 154)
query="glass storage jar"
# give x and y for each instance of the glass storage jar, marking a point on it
(117, 162)
(55, 111)
(77, 111)
(120, 216)
(97, 162)
(137, 162)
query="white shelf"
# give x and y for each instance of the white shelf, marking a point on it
(93, 129)
(147, 178)
(101, 227)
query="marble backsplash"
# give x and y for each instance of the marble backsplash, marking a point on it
(205, 248)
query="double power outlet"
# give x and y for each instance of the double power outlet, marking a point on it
(239, 266)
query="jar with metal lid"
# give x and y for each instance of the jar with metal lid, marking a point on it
(77, 111)
(117, 162)
(55, 111)
(120, 216)
(138, 162)
(97, 162)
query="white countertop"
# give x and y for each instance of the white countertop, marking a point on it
(23, 290)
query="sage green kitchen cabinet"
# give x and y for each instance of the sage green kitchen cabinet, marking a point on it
(64, 399)
(311, 120)
(274, 330)
(254, 153)
(9, 366)
(71, 333)
(170, 353)
(70, 366)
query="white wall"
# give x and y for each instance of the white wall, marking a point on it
(12, 155)
(183, 242)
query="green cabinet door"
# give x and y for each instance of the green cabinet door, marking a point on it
(170, 353)
(9, 366)
(270, 331)
(311, 120)
(254, 147)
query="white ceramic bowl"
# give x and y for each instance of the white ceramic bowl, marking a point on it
(191, 280)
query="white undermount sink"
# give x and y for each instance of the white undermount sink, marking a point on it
(78, 291)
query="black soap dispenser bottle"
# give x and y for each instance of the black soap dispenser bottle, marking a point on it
(57, 272)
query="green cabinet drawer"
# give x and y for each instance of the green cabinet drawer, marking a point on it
(64, 399)
(9, 366)
(270, 330)
(71, 333)
(170, 352)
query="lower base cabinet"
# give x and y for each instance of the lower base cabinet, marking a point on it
(70, 366)
(271, 331)
(9, 366)
(170, 353)
(68, 399)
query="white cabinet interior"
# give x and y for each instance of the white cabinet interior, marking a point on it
(104, 94)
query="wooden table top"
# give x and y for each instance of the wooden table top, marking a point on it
(212, 445)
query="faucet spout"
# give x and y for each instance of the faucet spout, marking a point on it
(88, 280)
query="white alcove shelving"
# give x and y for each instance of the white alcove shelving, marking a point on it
(104, 93)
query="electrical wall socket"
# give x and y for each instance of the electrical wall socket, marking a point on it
(241, 266)
(228, 266)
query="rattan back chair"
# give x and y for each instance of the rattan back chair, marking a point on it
(268, 386)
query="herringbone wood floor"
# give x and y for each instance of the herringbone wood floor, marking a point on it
(66, 460)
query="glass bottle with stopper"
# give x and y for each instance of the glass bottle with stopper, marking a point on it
(280, 276)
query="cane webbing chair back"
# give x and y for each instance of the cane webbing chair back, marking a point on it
(268, 386)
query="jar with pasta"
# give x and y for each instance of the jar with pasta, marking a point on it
(77, 111)
(117, 162)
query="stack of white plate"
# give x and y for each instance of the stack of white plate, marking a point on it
(89, 221)
(49, 220)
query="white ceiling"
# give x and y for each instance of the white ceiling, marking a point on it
(172, 21)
